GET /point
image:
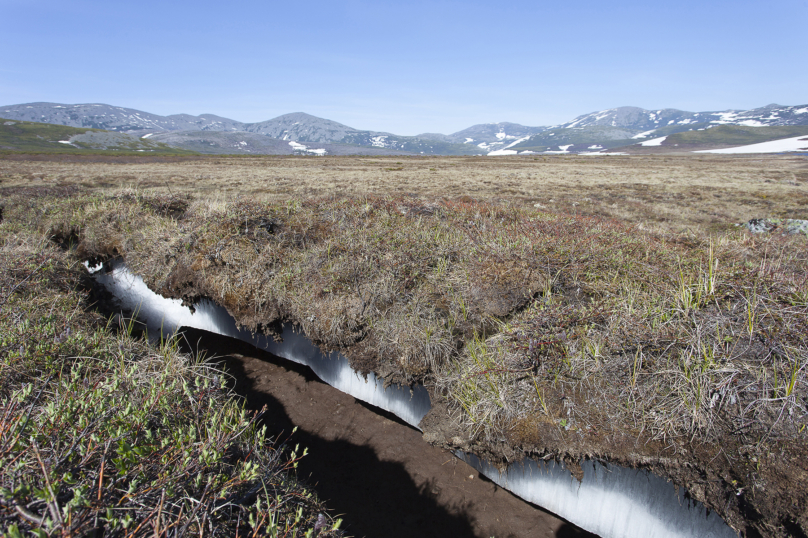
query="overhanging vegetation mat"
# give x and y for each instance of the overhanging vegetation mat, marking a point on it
(537, 334)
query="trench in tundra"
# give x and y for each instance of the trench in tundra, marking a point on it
(368, 464)
(612, 501)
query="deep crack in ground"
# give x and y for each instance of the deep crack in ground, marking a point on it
(369, 465)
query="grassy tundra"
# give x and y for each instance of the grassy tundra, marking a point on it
(554, 307)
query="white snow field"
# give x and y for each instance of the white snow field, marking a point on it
(654, 141)
(612, 501)
(798, 143)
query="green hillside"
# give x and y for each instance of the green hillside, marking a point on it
(606, 137)
(734, 135)
(33, 137)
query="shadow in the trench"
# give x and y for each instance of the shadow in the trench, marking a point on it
(568, 530)
(378, 498)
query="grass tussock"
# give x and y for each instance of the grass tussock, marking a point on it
(100, 433)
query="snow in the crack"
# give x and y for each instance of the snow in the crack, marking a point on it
(611, 501)
(643, 135)
(166, 316)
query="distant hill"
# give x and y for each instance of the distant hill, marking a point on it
(629, 117)
(714, 137)
(625, 127)
(39, 137)
(114, 118)
(242, 142)
(489, 136)
(299, 132)
(295, 127)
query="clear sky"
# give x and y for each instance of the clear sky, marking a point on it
(405, 67)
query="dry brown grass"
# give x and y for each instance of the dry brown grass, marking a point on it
(674, 193)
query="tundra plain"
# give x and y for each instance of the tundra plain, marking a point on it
(658, 192)
(554, 306)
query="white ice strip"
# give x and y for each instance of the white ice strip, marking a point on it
(502, 152)
(611, 501)
(654, 141)
(643, 135)
(798, 143)
(166, 316)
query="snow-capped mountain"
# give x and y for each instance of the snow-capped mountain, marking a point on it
(301, 127)
(297, 127)
(630, 117)
(489, 136)
(616, 127)
(624, 126)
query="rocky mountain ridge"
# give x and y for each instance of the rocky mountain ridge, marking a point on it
(593, 132)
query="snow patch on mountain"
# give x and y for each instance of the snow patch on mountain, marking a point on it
(304, 148)
(654, 141)
(798, 143)
(517, 141)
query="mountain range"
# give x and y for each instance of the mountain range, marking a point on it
(300, 133)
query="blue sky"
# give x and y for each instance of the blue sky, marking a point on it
(405, 67)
